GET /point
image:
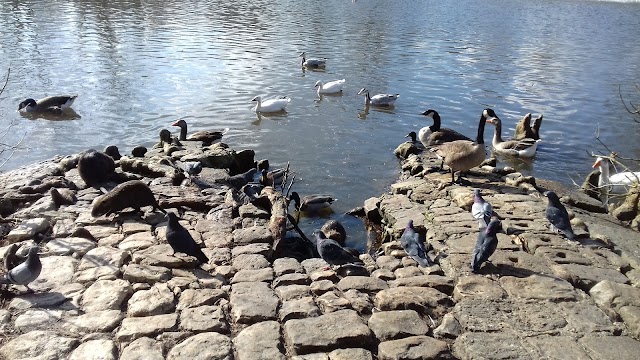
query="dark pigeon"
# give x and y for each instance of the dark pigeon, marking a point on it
(240, 180)
(558, 216)
(332, 252)
(181, 240)
(26, 272)
(413, 246)
(486, 244)
(481, 210)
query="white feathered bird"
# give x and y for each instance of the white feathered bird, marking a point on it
(379, 99)
(332, 87)
(271, 105)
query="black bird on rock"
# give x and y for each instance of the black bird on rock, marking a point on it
(181, 240)
(26, 272)
(558, 216)
(331, 252)
(413, 246)
(486, 244)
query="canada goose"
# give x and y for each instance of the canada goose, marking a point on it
(380, 99)
(312, 203)
(434, 134)
(522, 148)
(462, 155)
(523, 128)
(618, 183)
(313, 63)
(535, 129)
(50, 102)
(331, 87)
(207, 137)
(271, 105)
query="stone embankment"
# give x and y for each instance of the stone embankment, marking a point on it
(115, 290)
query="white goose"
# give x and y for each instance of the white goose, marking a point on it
(313, 63)
(618, 183)
(380, 99)
(271, 105)
(50, 102)
(332, 87)
(522, 148)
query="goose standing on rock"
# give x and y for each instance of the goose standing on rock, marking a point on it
(271, 105)
(313, 63)
(51, 102)
(520, 148)
(332, 87)
(618, 183)
(462, 155)
(207, 137)
(387, 100)
(436, 135)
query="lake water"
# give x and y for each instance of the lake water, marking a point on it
(139, 65)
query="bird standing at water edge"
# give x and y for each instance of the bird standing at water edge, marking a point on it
(558, 216)
(26, 272)
(181, 240)
(618, 183)
(434, 134)
(413, 246)
(485, 245)
(51, 102)
(331, 252)
(481, 210)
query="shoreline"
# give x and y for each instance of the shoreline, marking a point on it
(125, 294)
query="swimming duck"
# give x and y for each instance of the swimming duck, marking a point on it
(271, 105)
(434, 134)
(521, 148)
(313, 63)
(272, 178)
(380, 99)
(207, 137)
(50, 102)
(618, 183)
(312, 203)
(523, 128)
(331, 87)
(462, 155)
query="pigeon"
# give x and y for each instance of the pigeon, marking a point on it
(481, 209)
(332, 252)
(26, 272)
(558, 216)
(486, 244)
(413, 246)
(181, 240)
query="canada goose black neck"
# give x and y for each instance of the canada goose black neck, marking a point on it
(436, 122)
(480, 137)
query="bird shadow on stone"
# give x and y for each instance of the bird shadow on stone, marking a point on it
(506, 269)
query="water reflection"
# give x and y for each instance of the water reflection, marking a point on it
(53, 114)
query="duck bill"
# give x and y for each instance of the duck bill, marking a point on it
(595, 164)
(492, 120)
(175, 123)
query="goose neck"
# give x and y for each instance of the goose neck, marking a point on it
(436, 122)
(183, 132)
(497, 134)
(480, 137)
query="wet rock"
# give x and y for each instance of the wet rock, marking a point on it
(389, 325)
(38, 344)
(341, 329)
(135, 327)
(70, 245)
(252, 302)
(142, 349)
(155, 301)
(198, 297)
(259, 342)
(298, 309)
(203, 318)
(101, 349)
(106, 295)
(415, 347)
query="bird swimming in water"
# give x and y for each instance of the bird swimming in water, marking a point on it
(558, 216)
(413, 246)
(485, 245)
(312, 63)
(181, 240)
(481, 210)
(48, 103)
(26, 272)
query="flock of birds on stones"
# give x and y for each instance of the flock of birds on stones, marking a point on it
(459, 152)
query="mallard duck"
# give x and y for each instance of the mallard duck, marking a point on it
(523, 128)
(331, 87)
(50, 102)
(380, 99)
(535, 129)
(312, 203)
(207, 137)
(434, 134)
(618, 183)
(271, 105)
(313, 63)
(521, 148)
(462, 155)
(273, 177)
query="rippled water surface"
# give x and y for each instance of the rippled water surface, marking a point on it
(139, 65)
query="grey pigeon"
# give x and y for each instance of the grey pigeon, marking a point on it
(332, 252)
(558, 216)
(181, 240)
(481, 210)
(485, 245)
(413, 246)
(24, 273)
